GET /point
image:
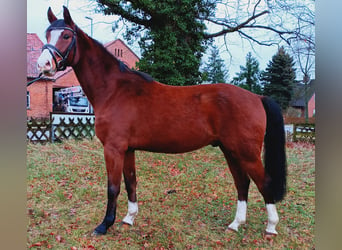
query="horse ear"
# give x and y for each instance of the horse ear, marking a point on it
(67, 17)
(51, 16)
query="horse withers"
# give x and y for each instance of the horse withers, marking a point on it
(134, 112)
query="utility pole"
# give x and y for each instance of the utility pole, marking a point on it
(91, 25)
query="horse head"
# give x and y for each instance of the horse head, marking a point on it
(60, 50)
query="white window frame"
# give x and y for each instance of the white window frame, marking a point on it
(28, 100)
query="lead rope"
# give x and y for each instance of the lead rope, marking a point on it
(36, 79)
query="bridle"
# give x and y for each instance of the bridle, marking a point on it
(61, 65)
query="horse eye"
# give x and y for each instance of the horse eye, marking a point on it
(66, 37)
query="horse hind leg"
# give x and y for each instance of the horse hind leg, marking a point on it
(130, 183)
(242, 182)
(256, 171)
(242, 171)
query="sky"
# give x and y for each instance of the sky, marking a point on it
(102, 31)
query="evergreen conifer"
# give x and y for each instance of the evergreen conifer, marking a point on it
(279, 78)
(248, 77)
(215, 71)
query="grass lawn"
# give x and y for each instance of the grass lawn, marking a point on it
(186, 201)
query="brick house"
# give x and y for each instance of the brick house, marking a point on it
(303, 93)
(40, 94)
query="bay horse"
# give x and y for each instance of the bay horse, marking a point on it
(134, 112)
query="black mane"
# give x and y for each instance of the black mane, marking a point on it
(124, 68)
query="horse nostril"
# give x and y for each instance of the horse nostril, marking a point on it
(47, 65)
(44, 66)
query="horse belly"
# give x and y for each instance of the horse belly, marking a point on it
(173, 146)
(174, 140)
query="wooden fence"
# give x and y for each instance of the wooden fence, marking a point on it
(60, 127)
(304, 133)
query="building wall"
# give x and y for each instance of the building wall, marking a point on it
(68, 79)
(311, 106)
(40, 99)
(123, 53)
(41, 94)
(33, 50)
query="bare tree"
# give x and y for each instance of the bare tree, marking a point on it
(303, 45)
(264, 22)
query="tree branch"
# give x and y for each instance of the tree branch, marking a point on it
(233, 29)
(254, 40)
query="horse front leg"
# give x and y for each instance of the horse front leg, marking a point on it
(131, 184)
(114, 165)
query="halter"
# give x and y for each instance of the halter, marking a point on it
(61, 65)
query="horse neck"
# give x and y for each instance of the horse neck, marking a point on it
(94, 69)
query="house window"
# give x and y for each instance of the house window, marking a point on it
(28, 99)
(118, 52)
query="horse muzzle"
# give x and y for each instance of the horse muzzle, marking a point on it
(46, 64)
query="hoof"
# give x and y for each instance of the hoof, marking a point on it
(96, 233)
(270, 236)
(125, 226)
(100, 230)
(230, 231)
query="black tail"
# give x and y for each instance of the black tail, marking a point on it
(275, 156)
